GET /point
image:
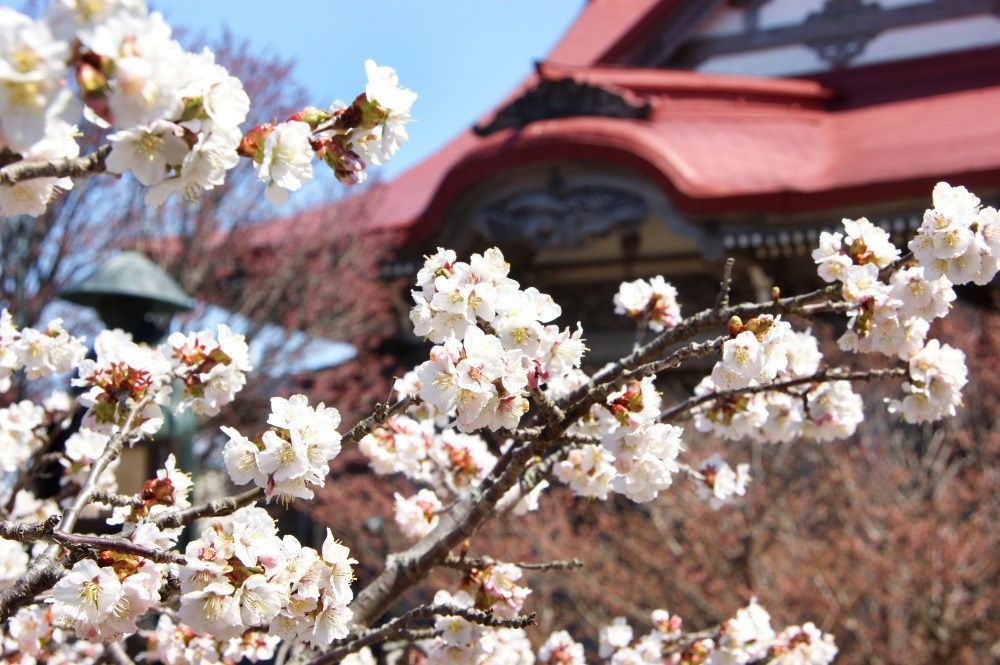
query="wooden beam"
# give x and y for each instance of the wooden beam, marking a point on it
(673, 30)
(868, 20)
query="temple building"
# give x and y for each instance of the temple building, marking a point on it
(662, 136)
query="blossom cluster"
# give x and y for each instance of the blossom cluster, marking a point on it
(240, 574)
(958, 239)
(213, 371)
(652, 303)
(125, 380)
(746, 638)
(813, 411)
(170, 490)
(957, 243)
(346, 137)
(492, 589)
(24, 426)
(173, 643)
(720, 482)
(636, 457)
(446, 462)
(102, 600)
(38, 353)
(173, 117)
(492, 344)
(292, 454)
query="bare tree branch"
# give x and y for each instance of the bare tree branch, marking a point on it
(78, 167)
(394, 627)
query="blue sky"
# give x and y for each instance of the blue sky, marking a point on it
(460, 56)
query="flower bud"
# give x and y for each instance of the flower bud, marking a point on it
(252, 145)
(735, 326)
(310, 115)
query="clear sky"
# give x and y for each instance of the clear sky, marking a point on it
(460, 56)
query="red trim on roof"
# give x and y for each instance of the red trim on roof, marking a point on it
(719, 154)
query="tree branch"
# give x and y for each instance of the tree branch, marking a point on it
(394, 627)
(76, 541)
(465, 563)
(822, 376)
(78, 167)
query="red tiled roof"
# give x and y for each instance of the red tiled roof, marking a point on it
(741, 144)
(718, 143)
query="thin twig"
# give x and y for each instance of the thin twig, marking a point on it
(822, 376)
(722, 300)
(214, 508)
(382, 413)
(687, 639)
(465, 563)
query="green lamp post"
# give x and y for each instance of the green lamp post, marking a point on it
(128, 288)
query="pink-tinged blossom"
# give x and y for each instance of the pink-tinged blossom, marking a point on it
(417, 515)
(588, 470)
(85, 596)
(561, 649)
(805, 645)
(286, 163)
(742, 360)
(653, 303)
(868, 243)
(830, 256)
(721, 483)
(292, 455)
(937, 374)
(746, 637)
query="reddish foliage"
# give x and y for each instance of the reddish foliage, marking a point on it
(887, 540)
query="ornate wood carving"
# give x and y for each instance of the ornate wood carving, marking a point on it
(562, 98)
(545, 218)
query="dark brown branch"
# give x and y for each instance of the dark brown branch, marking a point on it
(76, 541)
(382, 413)
(78, 167)
(815, 301)
(395, 627)
(823, 376)
(112, 499)
(213, 508)
(27, 532)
